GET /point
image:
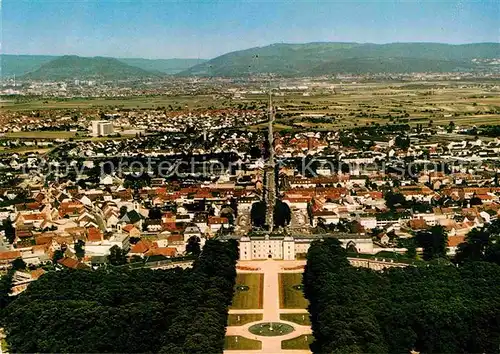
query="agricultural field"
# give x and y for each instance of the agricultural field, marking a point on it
(465, 103)
(249, 291)
(291, 295)
(139, 102)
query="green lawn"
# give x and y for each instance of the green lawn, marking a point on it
(134, 102)
(290, 297)
(244, 318)
(301, 319)
(301, 342)
(250, 298)
(241, 343)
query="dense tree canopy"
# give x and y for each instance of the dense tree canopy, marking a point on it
(80, 249)
(18, 264)
(193, 246)
(117, 256)
(481, 244)
(10, 233)
(123, 210)
(393, 200)
(5, 288)
(258, 214)
(430, 309)
(155, 213)
(433, 241)
(127, 311)
(282, 214)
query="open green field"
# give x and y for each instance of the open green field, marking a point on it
(140, 102)
(251, 296)
(290, 296)
(23, 150)
(242, 319)
(41, 135)
(301, 319)
(52, 135)
(361, 104)
(241, 343)
(301, 342)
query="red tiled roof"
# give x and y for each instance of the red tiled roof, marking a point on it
(297, 199)
(37, 273)
(175, 238)
(141, 247)
(94, 234)
(128, 227)
(23, 233)
(324, 213)
(418, 224)
(485, 197)
(35, 216)
(70, 208)
(9, 255)
(163, 251)
(217, 220)
(70, 263)
(454, 241)
(43, 239)
(28, 206)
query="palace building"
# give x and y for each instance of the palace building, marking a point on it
(289, 247)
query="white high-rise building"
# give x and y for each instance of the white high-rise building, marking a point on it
(102, 128)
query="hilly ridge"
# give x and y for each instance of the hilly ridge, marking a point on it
(312, 59)
(287, 60)
(18, 65)
(166, 66)
(74, 67)
(13, 64)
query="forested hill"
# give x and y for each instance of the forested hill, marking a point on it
(331, 58)
(17, 65)
(74, 67)
(166, 66)
(310, 59)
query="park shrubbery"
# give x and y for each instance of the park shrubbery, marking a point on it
(127, 311)
(430, 309)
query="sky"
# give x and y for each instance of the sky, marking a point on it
(205, 29)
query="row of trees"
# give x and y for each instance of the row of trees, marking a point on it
(128, 311)
(430, 309)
